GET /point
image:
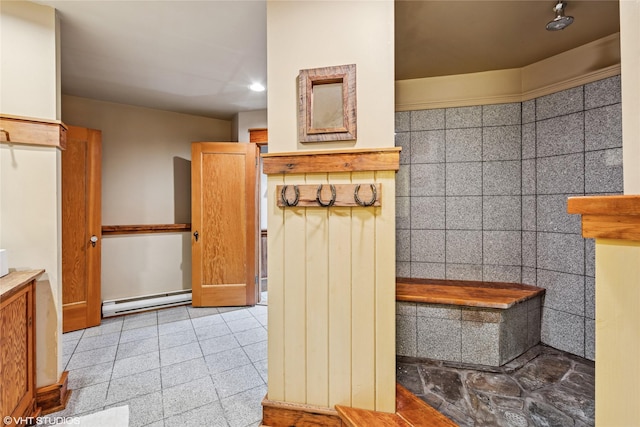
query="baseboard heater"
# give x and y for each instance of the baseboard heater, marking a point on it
(145, 303)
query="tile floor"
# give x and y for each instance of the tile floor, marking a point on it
(208, 367)
(178, 366)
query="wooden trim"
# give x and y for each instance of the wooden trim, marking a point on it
(410, 411)
(54, 397)
(317, 152)
(345, 195)
(604, 205)
(286, 414)
(382, 159)
(417, 412)
(31, 131)
(108, 230)
(608, 217)
(356, 417)
(259, 136)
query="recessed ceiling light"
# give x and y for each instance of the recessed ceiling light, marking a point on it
(256, 87)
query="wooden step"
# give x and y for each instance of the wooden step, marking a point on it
(466, 293)
(410, 411)
(355, 417)
(416, 412)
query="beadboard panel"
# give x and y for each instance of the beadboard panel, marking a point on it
(332, 297)
(340, 299)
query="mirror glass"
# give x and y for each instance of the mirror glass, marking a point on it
(327, 106)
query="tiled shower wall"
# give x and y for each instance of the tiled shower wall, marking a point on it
(482, 190)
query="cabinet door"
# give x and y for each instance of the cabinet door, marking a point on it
(17, 382)
(224, 223)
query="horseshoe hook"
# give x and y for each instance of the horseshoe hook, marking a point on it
(283, 196)
(319, 196)
(374, 196)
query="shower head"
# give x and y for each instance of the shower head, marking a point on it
(560, 22)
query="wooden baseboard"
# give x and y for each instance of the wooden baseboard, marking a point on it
(285, 414)
(54, 397)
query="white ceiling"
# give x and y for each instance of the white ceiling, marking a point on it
(199, 57)
(194, 57)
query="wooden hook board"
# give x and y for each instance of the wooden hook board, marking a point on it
(344, 195)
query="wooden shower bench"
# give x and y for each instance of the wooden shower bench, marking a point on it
(486, 323)
(465, 293)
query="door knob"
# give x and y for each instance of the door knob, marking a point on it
(93, 240)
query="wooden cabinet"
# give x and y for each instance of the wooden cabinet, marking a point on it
(17, 345)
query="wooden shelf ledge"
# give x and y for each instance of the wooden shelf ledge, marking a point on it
(32, 131)
(356, 160)
(608, 217)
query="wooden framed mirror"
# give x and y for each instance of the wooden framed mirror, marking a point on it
(327, 104)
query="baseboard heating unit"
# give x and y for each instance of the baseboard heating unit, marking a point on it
(145, 303)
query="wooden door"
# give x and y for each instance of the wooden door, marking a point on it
(224, 224)
(81, 229)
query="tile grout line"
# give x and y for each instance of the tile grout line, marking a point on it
(584, 241)
(120, 331)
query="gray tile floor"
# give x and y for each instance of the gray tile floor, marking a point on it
(179, 366)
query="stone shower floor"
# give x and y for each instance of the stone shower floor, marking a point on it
(543, 387)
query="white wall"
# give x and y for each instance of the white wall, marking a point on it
(321, 34)
(254, 120)
(146, 160)
(28, 71)
(618, 262)
(249, 120)
(30, 176)
(630, 46)
(332, 272)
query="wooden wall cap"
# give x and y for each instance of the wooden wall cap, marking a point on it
(354, 160)
(32, 131)
(608, 217)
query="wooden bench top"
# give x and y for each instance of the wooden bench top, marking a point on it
(464, 292)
